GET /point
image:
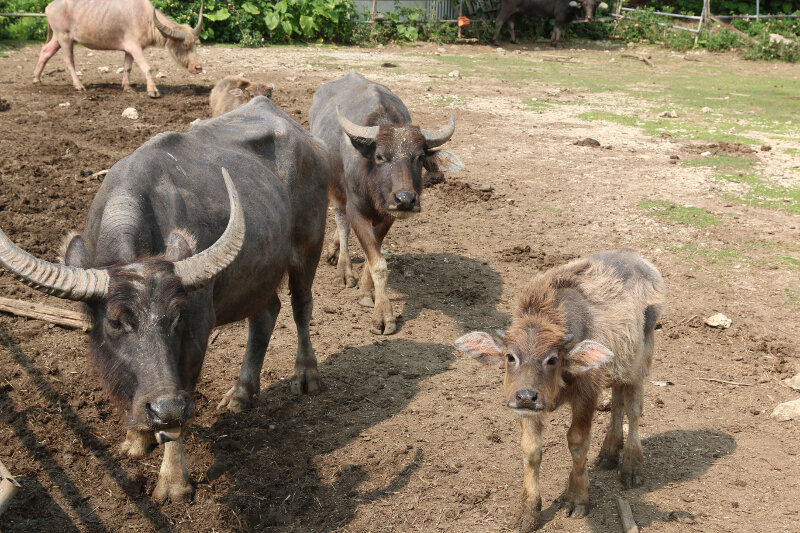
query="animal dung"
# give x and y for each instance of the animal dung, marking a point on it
(130, 113)
(718, 321)
(588, 141)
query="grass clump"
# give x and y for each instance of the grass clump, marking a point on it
(762, 192)
(682, 214)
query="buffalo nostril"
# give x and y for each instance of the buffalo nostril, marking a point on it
(405, 200)
(526, 397)
(167, 411)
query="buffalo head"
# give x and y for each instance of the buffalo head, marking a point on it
(141, 316)
(588, 8)
(396, 154)
(182, 40)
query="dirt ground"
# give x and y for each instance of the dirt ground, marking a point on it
(410, 435)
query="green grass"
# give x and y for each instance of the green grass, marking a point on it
(446, 100)
(688, 215)
(764, 193)
(722, 162)
(791, 262)
(791, 296)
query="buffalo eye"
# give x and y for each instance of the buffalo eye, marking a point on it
(379, 158)
(551, 360)
(115, 324)
(511, 358)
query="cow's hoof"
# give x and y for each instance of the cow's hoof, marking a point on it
(381, 327)
(37, 81)
(366, 301)
(350, 281)
(80, 88)
(528, 518)
(236, 400)
(333, 257)
(496, 43)
(137, 444)
(514, 41)
(154, 93)
(174, 492)
(305, 381)
(607, 460)
(630, 476)
(577, 510)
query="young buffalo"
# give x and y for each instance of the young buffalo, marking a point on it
(232, 91)
(578, 328)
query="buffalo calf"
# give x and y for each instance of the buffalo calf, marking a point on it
(577, 329)
(232, 91)
(563, 11)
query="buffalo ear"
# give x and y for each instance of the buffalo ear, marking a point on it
(482, 347)
(602, 5)
(442, 161)
(180, 245)
(75, 252)
(238, 93)
(573, 3)
(587, 355)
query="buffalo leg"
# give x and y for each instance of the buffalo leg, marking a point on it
(306, 376)
(511, 31)
(556, 38)
(371, 237)
(502, 17)
(632, 455)
(578, 440)
(339, 251)
(138, 443)
(69, 60)
(531, 501)
(608, 457)
(48, 51)
(126, 71)
(249, 383)
(138, 56)
(173, 479)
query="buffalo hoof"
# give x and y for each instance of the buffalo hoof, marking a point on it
(236, 400)
(514, 41)
(332, 256)
(174, 492)
(138, 443)
(577, 510)
(607, 460)
(366, 301)
(37, 81)
(305, 381)
(528, 519)
(154, 93)
(496, 43)
(630, 476)
(80, 88)
(383, 327)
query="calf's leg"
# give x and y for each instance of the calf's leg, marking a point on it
(259, 332)
(173, 480)
(502, 17)
(339, 251)
(138, 443)
(69, 60)
(632, 456)
(371, 237)
(48, 51)
(138, 55)
(531, 501)
(126, 71)
(578, 439)
(608, 457)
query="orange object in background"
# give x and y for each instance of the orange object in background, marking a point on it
(463, 21)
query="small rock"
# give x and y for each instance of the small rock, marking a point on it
(588, 141)
(454, 74)
(65, 104)
(766, 148)
(705, 154)
(675, 157)
(793, 382)
(90, 54)
(195, 121)
(485, 188)
(787, 411)
(120, 70)
(291, 78)
(775, 38)
(131, 113)
(662, 383)
(388, 65)
(4, 105)
(161, 75)
(104, 70)
(79, 73)
(718, 321)
(706, 110)
(669, 114)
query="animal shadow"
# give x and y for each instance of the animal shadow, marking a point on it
(272, 461)
(463, 288)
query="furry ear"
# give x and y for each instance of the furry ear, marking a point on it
(73, 251)
(180, 245)
(587, 355)
(442, 161)
(482, 347)
(236, 92)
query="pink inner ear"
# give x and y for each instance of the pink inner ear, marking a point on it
(482, 347)
(587, 355)
(236, 92)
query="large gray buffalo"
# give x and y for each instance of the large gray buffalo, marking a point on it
(377, 157)
(166, 255)
(128, 25)
(563, 11)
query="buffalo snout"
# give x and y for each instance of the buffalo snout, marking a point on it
(526, 399)
(405, 201)
(167, 411)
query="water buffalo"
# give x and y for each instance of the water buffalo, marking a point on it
(377, 157)
(129, 25)
(564, 12)
(232, 91)
(163, 258)
(576, 329)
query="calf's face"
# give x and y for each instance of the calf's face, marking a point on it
(588, 8)
(538, 363)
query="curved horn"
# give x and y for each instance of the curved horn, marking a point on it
(166, 31)
(201, 269)
(360, 134)
(199, 26)
(434, 138)
(71, 283)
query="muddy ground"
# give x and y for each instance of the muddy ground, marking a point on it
(410, 435)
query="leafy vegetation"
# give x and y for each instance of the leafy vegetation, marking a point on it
(683, 214)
